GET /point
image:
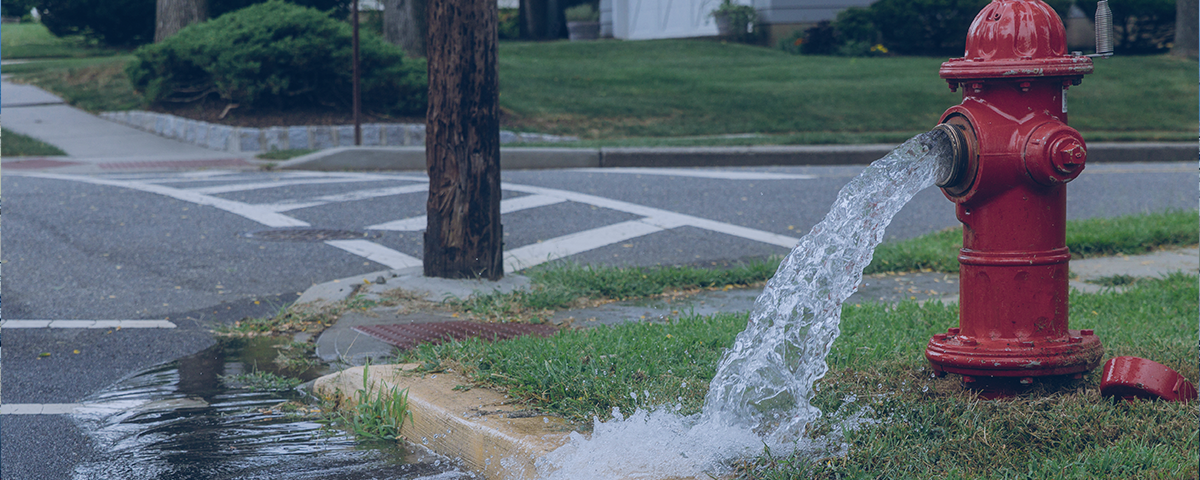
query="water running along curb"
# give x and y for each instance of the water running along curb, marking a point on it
(478, 428)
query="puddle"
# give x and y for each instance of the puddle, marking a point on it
(189, 419)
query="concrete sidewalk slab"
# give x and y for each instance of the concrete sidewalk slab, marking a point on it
(95, 145)
(17, 95)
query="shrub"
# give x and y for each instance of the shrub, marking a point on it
(17, 8)
(583, 12)
(281, 55)
(510, 23)
(743, 20)
(820, 39)
(113, 22)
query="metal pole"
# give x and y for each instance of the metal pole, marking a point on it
(357, 102)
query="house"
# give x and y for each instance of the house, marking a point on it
(647, 19)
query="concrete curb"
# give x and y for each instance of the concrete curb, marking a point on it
(478, 428)
(413, 158)
(253, 140)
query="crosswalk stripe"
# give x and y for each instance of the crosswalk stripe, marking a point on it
(86, 324)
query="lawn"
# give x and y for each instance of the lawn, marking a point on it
(22, 41)
(701, 92)
(641, 92)
(926, 426)
(13, 144)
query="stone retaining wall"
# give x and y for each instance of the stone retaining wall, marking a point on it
(310, 137)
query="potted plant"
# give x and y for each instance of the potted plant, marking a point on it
(583, 22)
(733, 19)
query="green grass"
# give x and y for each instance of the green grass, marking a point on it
(562, 285)
(699, 92)
(13, 144)
(377, 415)
(642, 91)
(93, 84)
(559, 286)
(33, 41)
(1130, 234)
(261, 381)
(930, 427)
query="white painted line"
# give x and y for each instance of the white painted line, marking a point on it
(567, 245)
(251, 212)
(195, 176)
(376, 253)
(39, 408)
(414, 224)
(688, 172)
(241, 187)
(346, 197)
(86, 324)
(661, 217)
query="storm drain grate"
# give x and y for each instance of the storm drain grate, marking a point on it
(307, 234)
(409, 335)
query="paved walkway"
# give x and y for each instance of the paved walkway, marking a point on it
(93, 144)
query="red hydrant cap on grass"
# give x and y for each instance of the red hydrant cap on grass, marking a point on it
(1133, 377)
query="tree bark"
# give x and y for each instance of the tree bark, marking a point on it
(463, 237)
(404, 25)
(172, 15)
(1186, 38)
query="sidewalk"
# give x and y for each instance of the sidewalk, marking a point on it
(92, 144)
(343, 343)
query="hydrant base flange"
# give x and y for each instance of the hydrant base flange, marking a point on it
(1078, 351)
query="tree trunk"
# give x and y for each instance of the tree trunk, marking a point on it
(171, 16)
(463, 236)
(1186, 38)
(404, 25)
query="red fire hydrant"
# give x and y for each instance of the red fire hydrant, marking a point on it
(1008, 184)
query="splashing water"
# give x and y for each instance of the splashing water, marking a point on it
(763, 386)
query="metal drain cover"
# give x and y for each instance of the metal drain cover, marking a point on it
(305, 234)
(407, 336)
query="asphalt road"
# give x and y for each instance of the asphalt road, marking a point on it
(174, 246)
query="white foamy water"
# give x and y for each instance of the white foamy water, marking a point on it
(761, 393)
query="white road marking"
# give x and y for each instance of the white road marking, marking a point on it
(251, 212)
(376, 253)
(86, 324)
(567, 245)
(654, 220)
(414, 224)
(663, 216)
(688, 172)
(242, 187)
(346, 197)
(39, 408)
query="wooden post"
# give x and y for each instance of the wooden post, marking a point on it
(463, 237)
(357, 95)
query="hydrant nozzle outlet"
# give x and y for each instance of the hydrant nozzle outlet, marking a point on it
(953, 165)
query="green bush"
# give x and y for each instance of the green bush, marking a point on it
(277, 54)
(113, 22)
(910, 27)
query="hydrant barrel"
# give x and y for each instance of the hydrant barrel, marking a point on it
(1010, 196)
